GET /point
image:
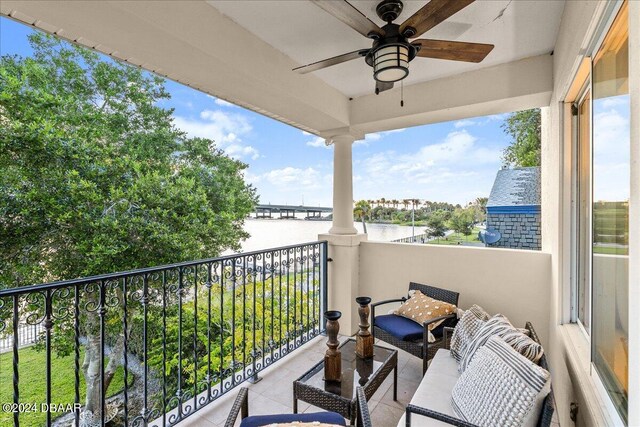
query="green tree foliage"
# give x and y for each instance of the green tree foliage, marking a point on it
(462, 221)
(96, 179)
(479, 207)
(361, 212)
(524, 129)
(436, 224)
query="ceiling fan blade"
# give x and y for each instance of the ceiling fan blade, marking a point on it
(347, 13)
(455, 51)
(331, 61)
(382, 86)
(431, 14)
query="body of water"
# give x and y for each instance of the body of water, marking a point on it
(271, 233)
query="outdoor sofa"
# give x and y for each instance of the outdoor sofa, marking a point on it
(431, 404)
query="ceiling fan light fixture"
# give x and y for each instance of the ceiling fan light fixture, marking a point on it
(391, 63)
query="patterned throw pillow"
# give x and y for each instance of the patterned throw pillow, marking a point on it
(421, 308)
(500, 326)
(465, 330)
(500, 388)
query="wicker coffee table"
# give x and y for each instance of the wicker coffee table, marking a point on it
(341, 397)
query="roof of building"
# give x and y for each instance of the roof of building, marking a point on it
(516, 187)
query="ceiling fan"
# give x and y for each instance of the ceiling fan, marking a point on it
(392, 51)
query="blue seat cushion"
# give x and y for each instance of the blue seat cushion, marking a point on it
(265, 420)
(407, 330)
(400, 327)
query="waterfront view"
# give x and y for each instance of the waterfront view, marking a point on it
(270, 233)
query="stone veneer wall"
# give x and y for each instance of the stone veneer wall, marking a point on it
(518, 230)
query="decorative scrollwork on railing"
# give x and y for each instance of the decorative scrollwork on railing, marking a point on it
(111, 290)
(3, 316)
(36, 303)
(92, 295)
(62, 304)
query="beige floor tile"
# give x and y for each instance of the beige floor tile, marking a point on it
(386, 416)
(412, 370)
(406, 390)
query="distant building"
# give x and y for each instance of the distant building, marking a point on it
(514, 208)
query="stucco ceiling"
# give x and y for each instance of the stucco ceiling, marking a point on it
(306, 33)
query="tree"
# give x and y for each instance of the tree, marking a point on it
(462, 221)
(97, 179)
(479, 205)
(362, 211)
(524, 129)
(436, 225)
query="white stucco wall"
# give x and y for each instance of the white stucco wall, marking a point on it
(512, 282)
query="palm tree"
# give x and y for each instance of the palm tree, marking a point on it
(405, 203)
(362, 211)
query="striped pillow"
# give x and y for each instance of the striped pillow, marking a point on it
(500, 326)
(465, 330)
(500, 388)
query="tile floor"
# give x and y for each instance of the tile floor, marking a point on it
(274, 394)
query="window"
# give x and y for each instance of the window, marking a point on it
(602, 210)
(610, 212)
(583, 303)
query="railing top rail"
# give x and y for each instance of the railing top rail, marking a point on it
(123, 274)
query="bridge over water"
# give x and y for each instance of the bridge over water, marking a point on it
(289, 211)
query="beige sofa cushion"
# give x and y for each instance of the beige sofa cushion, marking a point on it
(434, 392)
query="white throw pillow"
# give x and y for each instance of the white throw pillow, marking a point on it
(500, 388)
(500, 326)
(465, 330)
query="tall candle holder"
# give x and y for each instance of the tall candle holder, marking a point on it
(332, 357)
(364, 339)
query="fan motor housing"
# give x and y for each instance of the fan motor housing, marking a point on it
(389, 10)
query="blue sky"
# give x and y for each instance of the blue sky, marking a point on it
(453, 161)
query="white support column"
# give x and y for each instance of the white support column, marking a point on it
(344, 240)
(342, 185)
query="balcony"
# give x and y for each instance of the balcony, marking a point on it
(178, 342)
(544, 58)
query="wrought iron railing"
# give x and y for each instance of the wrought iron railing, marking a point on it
(153, 346)
(418, 238)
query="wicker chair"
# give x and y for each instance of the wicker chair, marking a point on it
(408, 336)
(241, 407)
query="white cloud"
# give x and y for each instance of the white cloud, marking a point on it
(317, 142)
(224, 103)
(239, 151)
(453, 169)
(497, 117)
(288, 184)
(226, 129)
(464, 123)
(611, 127)
(614, 102)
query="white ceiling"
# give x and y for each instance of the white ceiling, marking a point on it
(305, 33)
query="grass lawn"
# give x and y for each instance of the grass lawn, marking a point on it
(457, 238)
(610, 250)
(33, 384)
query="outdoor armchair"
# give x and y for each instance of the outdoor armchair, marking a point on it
(241, 407)
(409, 335)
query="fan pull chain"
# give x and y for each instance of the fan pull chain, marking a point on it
(402, 93)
